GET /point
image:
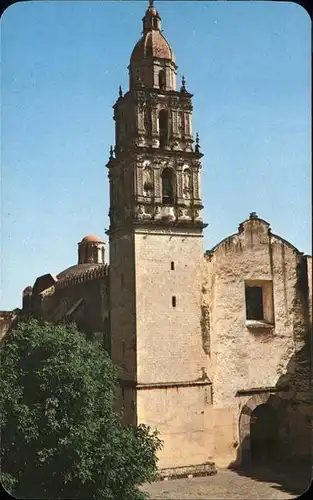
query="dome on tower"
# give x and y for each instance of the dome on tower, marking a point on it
(152, 44)
(91, 238)
(91, 250)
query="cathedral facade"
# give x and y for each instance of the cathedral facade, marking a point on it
(214, 348)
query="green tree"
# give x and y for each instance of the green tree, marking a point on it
(60, 434)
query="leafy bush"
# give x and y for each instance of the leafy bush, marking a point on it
(61, 435)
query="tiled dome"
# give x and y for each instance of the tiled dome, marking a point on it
(91, 238)
(152, 44)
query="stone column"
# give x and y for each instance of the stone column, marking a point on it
(157, 184)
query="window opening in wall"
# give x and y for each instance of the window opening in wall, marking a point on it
(174, 301)
(172, 266)
(254, 303)
(163, 127)
(168, 179)
(162, 83)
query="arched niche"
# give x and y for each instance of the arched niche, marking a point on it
(162, 79)
(168, 179)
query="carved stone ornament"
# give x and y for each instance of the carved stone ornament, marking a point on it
(147, 182)
(147, 119)
(168, 213)
(183, 214)
(141, 97)
(197, 215)
(187, 183)
(157, 213)
(174, 103)
(187, 177)
(157, 162)
(139, 212)
(175, 145)
(148, 211)
(196, 185)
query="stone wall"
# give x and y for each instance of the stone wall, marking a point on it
(309, 269)
(84, 302)
(173, 391)
(122, 303)
(169, 340)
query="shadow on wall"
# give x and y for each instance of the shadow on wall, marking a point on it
(284, 456)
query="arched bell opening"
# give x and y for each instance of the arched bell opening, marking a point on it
(163, 127)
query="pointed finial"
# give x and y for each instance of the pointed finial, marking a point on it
(120, 92)
(183, 84)
(111, 152)
(151, 4)
(197, 146)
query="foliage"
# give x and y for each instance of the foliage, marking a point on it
(61, 436)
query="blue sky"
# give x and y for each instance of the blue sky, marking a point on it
(248, 66)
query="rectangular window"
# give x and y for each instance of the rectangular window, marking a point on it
(172, 266)
(254, 302)
(259, 301)
(174, 301)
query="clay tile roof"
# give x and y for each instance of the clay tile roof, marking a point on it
(81, 273)
(91, 238)
(154, 42)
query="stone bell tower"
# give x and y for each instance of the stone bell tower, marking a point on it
(156, 248)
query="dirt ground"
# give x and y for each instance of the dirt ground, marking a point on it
(260, 483)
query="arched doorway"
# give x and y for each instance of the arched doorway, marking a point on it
(264, 434)
(263, 415)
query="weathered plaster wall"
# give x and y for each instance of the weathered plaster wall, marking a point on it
(244, 357)
(183, 415)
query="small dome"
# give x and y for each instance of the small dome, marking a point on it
(152, 44)
(91, 238)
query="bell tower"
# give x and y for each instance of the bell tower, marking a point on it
(155, 234)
